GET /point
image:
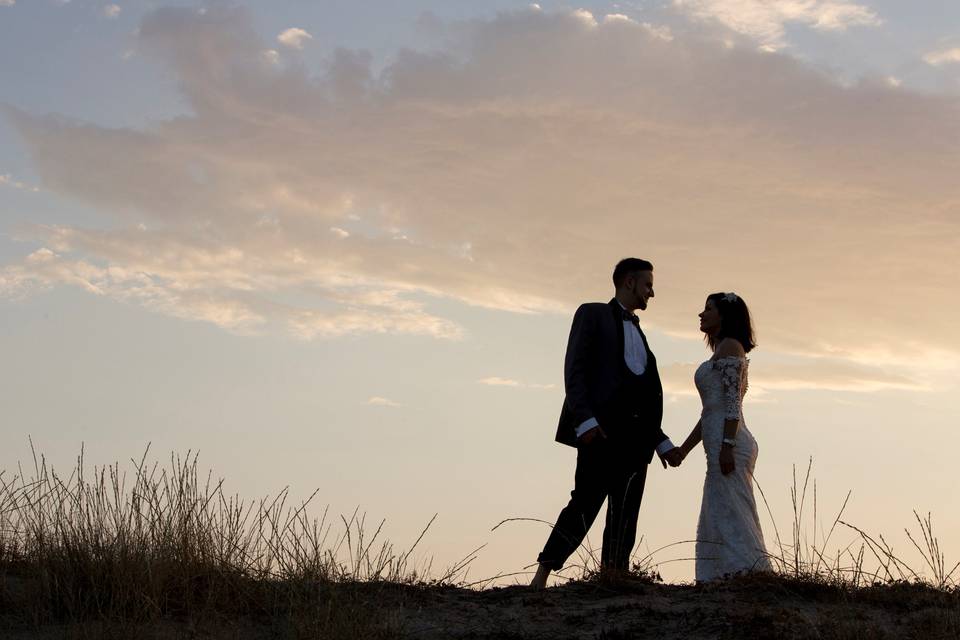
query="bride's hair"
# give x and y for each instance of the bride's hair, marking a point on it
(734, 321)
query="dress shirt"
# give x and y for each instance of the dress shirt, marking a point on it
(635, 356)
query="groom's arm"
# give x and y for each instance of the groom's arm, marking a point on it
(576, 362)
(667, 451)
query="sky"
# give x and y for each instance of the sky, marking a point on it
(337, 245)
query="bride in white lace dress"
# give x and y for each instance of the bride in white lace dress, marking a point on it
(729, 538)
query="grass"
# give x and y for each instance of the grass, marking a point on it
(166, 543)
(111, 553)
(864, 561)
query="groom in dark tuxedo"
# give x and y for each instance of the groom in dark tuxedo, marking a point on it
(611, 415)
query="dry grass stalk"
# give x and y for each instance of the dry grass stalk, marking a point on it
(170, 542)
(160, 543)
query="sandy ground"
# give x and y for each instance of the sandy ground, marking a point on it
(759, 607)
(754, 608)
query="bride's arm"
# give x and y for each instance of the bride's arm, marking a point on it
(730, 355)
(692, 440)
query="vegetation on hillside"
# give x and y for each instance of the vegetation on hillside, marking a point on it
(165, 552)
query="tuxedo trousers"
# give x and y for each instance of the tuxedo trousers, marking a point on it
(606, 471)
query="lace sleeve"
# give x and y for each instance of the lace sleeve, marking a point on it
(733, 372)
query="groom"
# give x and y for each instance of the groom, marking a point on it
(611, 414)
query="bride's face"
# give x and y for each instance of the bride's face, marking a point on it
(710, 318)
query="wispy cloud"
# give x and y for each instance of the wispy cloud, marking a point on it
(942, 57)
(585, 17)
(7, 3)
(377, 401)
(766, 20)
(190, 280)
(822, 374)
(45, 268)
(6, 180)
(617, 17)
(497, 381)
(294, 38)
(310, 324)
(495, 158)
(272, 56)
(112, 11)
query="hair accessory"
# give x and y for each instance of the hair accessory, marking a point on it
(730, 297)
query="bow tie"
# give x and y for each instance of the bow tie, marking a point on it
(631, 317)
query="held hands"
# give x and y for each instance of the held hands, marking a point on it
(674, 457)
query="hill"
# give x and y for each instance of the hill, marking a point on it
(630, 607)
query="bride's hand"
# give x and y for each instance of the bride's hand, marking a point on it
(727, 465)
(674, 456)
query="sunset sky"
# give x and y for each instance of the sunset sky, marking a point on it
(337, 244)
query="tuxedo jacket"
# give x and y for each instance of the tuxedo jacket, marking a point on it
(596, 378)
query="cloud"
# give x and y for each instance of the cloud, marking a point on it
(942, 57)
(617, 17)
(272, 56)
(766, 20)
(294, 38)
(7, 3)
(822, 374)
(6, 180)
(199, 280)
(496, 381)
(377, 401)
(45, 268)
(310, 324)
(111, 11)
(585, 17)
(517, 175)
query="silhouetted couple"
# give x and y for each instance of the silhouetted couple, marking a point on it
(612, 415)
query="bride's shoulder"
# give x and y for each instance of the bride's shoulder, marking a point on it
(729, 348)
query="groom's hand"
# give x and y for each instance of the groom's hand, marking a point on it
(593, 434)
(674, 457)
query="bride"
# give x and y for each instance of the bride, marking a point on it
(729, 539)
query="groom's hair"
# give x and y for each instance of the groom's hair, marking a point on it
(734, 321)
(628, 266)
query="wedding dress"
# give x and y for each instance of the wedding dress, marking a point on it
(729, 538)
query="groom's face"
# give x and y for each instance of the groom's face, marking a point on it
(642, 288)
